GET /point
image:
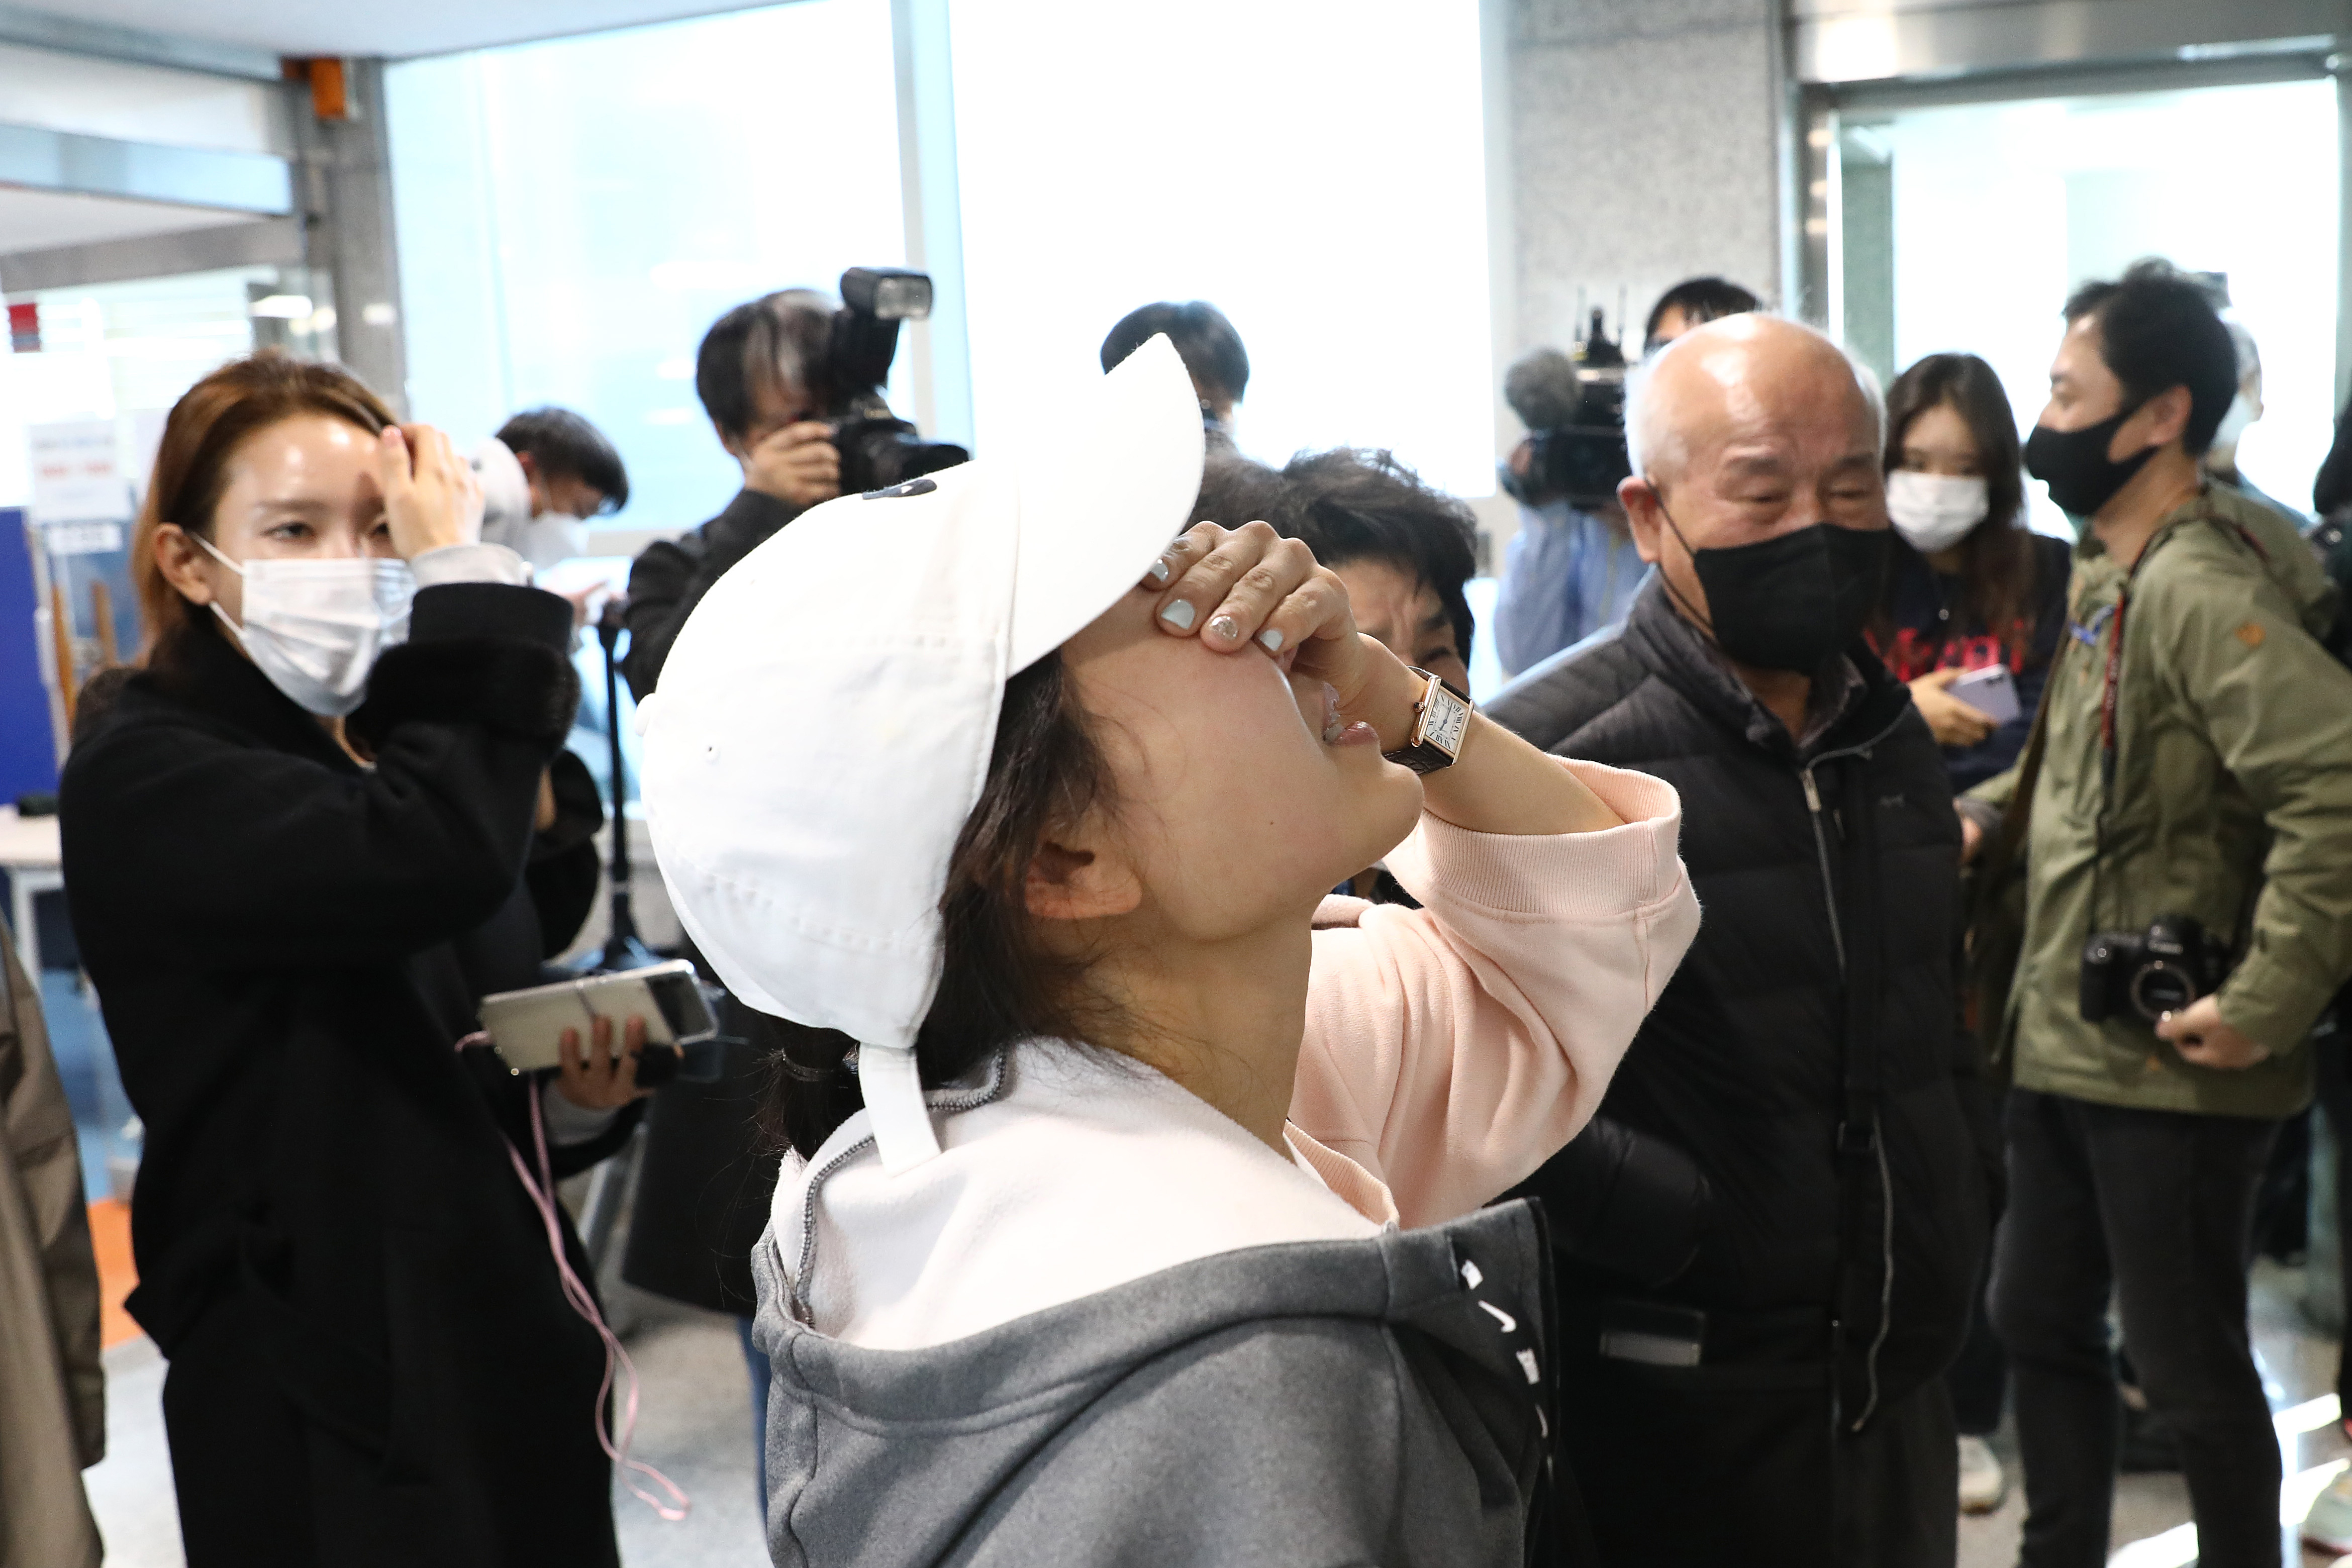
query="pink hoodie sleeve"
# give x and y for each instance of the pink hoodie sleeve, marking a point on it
(1452, 1049)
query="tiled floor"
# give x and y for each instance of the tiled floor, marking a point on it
(695, 1418)
(695, 1428)
(2152, 1519)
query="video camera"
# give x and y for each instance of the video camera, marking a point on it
(877, 448)
(1574, 409)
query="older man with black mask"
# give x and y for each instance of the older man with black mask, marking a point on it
(1794, 1121)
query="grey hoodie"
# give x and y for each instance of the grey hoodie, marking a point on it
(1383, 1401)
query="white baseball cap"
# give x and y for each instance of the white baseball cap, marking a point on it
(824, 720)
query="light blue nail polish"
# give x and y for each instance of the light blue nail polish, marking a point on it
(1270, 639)
(1178, 614)
(1160, 572)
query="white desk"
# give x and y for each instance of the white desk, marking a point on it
(30, 855)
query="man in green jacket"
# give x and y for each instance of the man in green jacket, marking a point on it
(2195, 771)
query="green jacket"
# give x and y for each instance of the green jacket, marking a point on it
(2232, 802)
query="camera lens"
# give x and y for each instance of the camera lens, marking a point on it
(2160, 988)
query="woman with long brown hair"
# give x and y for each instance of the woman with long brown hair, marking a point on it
(1969, 588)
(326, 773)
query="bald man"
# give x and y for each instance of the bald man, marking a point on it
(1772, 1393)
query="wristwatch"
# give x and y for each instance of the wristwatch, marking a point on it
(1440, 721)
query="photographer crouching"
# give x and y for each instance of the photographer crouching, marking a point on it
(793, 386)
(280, 831)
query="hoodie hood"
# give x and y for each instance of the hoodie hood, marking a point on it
(1386, 1396)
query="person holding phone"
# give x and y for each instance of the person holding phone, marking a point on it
(1971, 617)
(1974, 603)
(284, 834)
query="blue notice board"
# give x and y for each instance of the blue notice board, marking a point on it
(28, 757)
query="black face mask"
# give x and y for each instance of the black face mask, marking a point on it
(1792, 601)
(2075, 464)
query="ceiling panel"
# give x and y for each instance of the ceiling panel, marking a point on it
(416, 27)
(42, 220)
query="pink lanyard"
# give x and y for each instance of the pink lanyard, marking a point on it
(583, 1301)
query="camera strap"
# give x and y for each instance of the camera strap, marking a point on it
(2110, 698)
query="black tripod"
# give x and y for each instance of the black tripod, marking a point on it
(623, 948)
(609, 1183)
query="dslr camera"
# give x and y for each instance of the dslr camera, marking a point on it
(2149, 973)
(877, 448)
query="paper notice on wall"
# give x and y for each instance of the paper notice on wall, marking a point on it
(146, 436)
(76, 472)
(81, 538)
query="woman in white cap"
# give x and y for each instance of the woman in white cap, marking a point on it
(1108, 1267)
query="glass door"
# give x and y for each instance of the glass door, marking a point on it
(1965, 227)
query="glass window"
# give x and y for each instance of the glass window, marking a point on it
(573, 216)
(1317, 174)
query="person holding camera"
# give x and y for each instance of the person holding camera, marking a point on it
(1571, 569)
(761, 374)
(278, 832)
(2184, 814)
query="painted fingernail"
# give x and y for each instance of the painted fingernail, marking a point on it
(1226, 627)
(1160, 570)
(1178, 614)
(1270, 639)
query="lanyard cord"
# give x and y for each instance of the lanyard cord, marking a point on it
(583, 1301)
(2110, 742)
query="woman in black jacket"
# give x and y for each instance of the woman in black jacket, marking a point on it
(373, 1359)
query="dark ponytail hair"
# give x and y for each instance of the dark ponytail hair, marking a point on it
(998, 982)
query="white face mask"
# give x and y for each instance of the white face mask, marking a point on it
(2239, 414)
(1933, 511)
(549, 537)
(317, 627)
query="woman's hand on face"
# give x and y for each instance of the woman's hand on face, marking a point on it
(431, 497)
(1236, 587)
(1954, 723)
(604, 1080)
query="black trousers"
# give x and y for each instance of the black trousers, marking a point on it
(2336, 1101)
(2157, 1206)
(1693, 1467)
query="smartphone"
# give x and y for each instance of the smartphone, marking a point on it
(1991, 692)
(527, 1026)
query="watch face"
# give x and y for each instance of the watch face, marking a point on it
(1444, 718)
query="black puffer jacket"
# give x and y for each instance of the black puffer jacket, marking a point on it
(1761, 1062)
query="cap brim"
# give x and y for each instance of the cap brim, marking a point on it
(1117, 484)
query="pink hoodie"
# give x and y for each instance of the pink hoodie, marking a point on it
(1453, 1048)
(1449, 1051)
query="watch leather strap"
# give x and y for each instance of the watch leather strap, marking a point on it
(1440, 721)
